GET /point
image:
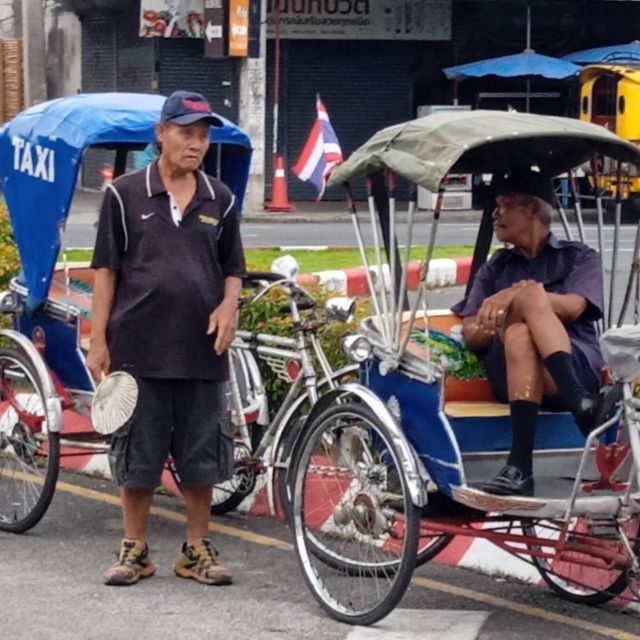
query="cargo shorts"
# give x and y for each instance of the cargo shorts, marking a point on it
(185, 419)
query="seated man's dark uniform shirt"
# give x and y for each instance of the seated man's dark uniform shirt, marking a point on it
(171, 274)
(563, 267)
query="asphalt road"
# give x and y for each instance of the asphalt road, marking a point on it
(50, 587)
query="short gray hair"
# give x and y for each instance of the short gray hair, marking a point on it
(545, 210)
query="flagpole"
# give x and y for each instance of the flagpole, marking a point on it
(276, 84)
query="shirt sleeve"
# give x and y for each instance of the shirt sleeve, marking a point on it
(483, 287)
(230, 248)
(111, 238)
(585, 279)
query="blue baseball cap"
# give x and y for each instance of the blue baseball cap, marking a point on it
(186, 107)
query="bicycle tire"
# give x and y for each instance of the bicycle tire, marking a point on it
(19, 445)
(376, 535)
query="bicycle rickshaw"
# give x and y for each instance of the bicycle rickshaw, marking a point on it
(46, 390)
(387, 471)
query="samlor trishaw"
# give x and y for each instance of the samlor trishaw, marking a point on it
(389, 469)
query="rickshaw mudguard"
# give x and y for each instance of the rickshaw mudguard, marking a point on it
(416, 404)
(414, 471)
(53, 405)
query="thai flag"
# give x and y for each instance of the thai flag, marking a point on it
(321, 152)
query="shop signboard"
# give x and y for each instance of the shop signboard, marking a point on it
(239, 28)
(360, 19)
(172, 18)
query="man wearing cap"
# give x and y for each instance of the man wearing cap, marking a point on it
(531, 311)
(169, 263)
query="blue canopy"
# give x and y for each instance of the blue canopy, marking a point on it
(615, 53)
(528, 63)
(41, 151)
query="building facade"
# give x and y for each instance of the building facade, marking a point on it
(371, 63)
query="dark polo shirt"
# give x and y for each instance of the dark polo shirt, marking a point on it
(170, 276)
(562, 267)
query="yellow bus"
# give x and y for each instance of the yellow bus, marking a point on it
(610, 97)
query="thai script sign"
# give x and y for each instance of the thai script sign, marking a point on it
(361, 19)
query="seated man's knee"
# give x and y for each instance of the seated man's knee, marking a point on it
(530, 299)
(517, 338)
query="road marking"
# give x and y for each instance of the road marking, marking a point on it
(477, 596)
(524, 609)
(407, 624)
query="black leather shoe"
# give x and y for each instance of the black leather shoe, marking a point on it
(510, 481)
(596, 410)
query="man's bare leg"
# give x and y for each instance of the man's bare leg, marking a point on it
(198, 504)
(547, 331)
(136, 505)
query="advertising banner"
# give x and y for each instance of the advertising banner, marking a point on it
(172, 18)
(361, 19)
(239, 28)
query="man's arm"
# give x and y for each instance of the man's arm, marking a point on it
(224, 319)
(567, 306)
(104, 287)
(494, 313)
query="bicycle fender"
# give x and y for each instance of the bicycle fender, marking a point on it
(415, 473)
(53, 406)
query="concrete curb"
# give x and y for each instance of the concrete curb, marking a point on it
(443, 272)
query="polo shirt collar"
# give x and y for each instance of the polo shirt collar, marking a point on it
(552, 242)
(155, 186)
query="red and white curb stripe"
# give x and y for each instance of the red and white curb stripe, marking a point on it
(443, 272)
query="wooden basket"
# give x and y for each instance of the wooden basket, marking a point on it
(12, 90)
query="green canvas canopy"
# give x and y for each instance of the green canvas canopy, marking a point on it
(425, 150)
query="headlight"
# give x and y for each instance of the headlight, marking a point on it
(340, 309)
(356, 347)
(9, 303)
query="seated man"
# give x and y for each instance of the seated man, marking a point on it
(531, 310)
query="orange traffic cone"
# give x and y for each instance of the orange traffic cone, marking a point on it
(279, 196)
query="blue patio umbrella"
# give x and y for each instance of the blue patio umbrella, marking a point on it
(527, 63)
(622, 53)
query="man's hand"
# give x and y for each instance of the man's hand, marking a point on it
(224, 321)
(493, 313)
(98, 360)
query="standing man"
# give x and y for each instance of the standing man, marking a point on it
(169, 264)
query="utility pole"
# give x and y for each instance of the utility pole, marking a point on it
(252, 115)
(34, 52)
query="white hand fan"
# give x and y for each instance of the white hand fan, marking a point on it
(114, 401)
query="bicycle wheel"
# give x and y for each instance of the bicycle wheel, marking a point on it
(356, 528)
(29, 453)
(578, 575)
(228, 495)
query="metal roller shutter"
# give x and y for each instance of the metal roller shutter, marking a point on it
(114, 58)
(182, 65)
(365, 86)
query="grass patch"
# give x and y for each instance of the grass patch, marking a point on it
(261, 259)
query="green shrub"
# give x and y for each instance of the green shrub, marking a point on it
(264, 316)
(9, 260)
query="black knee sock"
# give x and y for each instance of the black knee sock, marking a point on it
(524, 415)
(572, 391)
